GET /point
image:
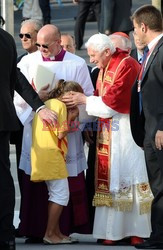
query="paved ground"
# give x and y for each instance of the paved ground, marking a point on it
(63, 17)
(85, 243)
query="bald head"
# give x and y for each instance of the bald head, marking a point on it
(49, 41)
(49, 31)
(68, 42)
(121, 42)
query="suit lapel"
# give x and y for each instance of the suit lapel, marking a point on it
(151, 58)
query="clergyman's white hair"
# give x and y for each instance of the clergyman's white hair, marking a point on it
(121, 42)
(36, 23)
(100, 42)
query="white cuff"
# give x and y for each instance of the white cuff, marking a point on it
(41, 107)
(95, 106)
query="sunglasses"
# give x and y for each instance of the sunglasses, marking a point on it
(28, 36)
(44, 46)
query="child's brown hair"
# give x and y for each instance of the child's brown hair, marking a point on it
(63, 87)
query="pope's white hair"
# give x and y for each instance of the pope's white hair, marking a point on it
(100, 42)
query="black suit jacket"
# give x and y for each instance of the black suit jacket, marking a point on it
(134, 54)
(11, 79)
(151, 119)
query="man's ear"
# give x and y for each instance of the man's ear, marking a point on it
(143, 27)
(107, 52)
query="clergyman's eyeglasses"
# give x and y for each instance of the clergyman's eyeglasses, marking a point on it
(44, 46)
(27, 35)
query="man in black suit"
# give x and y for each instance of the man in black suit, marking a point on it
(28, 35)
(147, 111)
(46, 12)
(137, 53)
(83, 11)
(115, 16)
(10, 79)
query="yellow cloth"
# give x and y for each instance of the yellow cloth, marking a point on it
(47, 151)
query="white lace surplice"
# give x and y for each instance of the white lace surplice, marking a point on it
(25, 158)
(75, 159)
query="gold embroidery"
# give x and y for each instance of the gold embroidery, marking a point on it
(103, 187)
(108, 79)
(103, 151)
(143, 189)
(103, 137)
(102, 200)
(145, 207)
(145, 197)
(123, 201)
(123, 205)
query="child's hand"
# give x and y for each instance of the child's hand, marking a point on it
(72, 113)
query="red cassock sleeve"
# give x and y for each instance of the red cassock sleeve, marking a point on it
(118, 95)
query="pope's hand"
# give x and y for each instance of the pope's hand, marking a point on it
(73, 99)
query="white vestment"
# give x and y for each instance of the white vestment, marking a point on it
(71, 68)
(128, 168)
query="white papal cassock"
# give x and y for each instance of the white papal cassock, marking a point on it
(128, 169)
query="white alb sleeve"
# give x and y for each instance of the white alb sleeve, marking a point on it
(96, 107)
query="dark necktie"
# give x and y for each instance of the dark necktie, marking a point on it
(146, 50)
(145, 53)
(140, 60)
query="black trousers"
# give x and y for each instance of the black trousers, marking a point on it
(90, 178)
(16, 139)
(154, 161)
(45, 8)
(83, 10)
(7, 191)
